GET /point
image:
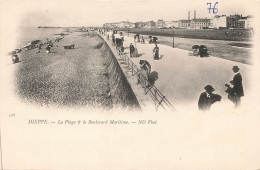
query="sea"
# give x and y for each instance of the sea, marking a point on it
(25, 35)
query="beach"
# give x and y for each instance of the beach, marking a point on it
(85, 76)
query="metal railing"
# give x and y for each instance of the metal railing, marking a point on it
(159, 98)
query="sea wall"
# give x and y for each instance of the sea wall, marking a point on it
(121, 92)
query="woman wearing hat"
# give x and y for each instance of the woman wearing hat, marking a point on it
(132, 49)
(237, 89)
(156, 52)
(207, 98)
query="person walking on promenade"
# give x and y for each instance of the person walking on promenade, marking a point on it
(237, 89)
(207, 98)
(142, 40)
(156, 52)
(132, 49)
(113, 38)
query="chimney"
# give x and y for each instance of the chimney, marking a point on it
(194, 14)
(188, 15)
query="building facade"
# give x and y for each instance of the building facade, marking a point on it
(184, 23)
(139, 25)
(245, 22)
(126, 24)
(149, 24)
(111, 25)
(241, 23)
(160, 23)
(249, 23)
(232, 20)
(219, 21)
(199, 23)
(171, 24)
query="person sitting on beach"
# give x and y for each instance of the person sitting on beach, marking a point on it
(15, 58)
(48, 49)
(39, 48)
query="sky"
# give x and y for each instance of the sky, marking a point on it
(96, 13)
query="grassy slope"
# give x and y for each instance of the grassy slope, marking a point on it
(232, 35)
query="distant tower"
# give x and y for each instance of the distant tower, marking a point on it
(188, 15)
(194, 14)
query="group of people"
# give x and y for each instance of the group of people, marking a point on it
(134, 53)
(201, 51)
(208, 98)
(39, 45)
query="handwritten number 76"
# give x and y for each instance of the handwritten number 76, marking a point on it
(214, 9)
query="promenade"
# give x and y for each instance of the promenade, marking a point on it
(182, 77)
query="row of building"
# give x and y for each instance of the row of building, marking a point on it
(223, 21)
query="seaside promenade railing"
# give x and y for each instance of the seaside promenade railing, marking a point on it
(159, 98)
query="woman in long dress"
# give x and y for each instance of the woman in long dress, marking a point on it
(156, 52)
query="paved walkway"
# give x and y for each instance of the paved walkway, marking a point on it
(182, 77)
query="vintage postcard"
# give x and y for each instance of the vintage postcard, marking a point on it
(119, 84)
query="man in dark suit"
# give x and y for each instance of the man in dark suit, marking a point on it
(237, 89)
(207, 98)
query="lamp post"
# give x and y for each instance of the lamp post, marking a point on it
(173, 28)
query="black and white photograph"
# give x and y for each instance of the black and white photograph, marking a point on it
(119, 84)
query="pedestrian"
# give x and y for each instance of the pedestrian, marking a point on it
(237, 89)
(156, 52)
(132, 49)
(145, 70)
(207, 98)
(142, 39)
(113, 38)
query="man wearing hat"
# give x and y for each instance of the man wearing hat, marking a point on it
(237, 89)
(207, 98)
